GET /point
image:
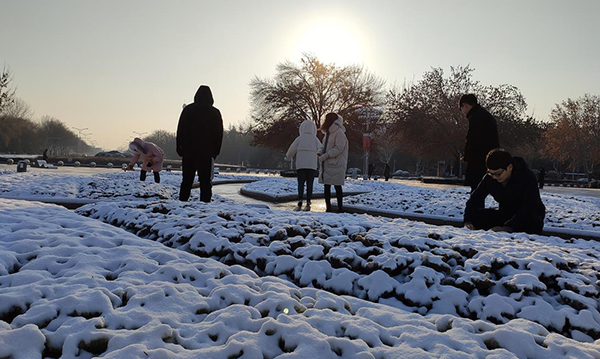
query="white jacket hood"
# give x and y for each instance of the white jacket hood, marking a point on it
(305, 146)
(308, 127)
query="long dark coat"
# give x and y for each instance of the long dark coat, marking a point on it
(200, 128)
(482, 137)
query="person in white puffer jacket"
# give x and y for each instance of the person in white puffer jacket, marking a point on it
(334, 158)
(305, 149)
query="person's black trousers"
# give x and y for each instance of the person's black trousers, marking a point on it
(486, 218)
(474, 173)
(143, 176)
(203, 166)
(305, 175)
(339, 195)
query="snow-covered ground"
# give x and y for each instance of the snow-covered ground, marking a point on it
(115, 185)
(144, 275)
(563, 211)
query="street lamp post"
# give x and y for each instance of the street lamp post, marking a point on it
(79, 136)
(367, 114)
(85, 136)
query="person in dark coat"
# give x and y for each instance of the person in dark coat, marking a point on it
(371, 170)
(514, 186)
(199, 138)
(386, 172)
(541, 177)
(482, 137)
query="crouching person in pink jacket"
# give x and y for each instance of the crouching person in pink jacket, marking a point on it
(152, 158)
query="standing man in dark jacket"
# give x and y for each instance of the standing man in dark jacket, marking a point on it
(199, 138)
(482, 137)
(514, 186)
(541, 177)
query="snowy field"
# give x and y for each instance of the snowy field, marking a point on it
(562, 211)
(139, 274)
(109, 186)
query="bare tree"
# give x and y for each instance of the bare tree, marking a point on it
(57, 137)
(574, 133)
(19, 135)
(6, 92)
(429, 123)
(307, 92)
(385, 139)
(18, 108)
(166, 141)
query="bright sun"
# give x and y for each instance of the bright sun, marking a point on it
(331, 41)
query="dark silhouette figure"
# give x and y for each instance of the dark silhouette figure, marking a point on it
(482, 137)
(45, 155)
(199, 138)
(541, 177)
(386, 172)
(371, 170)
(514, 186)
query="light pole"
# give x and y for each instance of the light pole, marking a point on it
(79, 136)
(367, 114)
(85, 136)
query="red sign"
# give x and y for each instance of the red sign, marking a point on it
(366, 141)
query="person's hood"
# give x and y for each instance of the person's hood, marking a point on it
(137, 145)
(204, 96)
(338, 123)
(308, 127)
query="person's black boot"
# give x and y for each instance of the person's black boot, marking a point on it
(307, 208)
(298, 207)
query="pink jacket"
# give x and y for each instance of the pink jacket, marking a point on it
(152, 155)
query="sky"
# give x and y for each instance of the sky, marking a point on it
(118, 69)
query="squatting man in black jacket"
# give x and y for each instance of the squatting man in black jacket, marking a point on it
(514, 186)
(199, 138)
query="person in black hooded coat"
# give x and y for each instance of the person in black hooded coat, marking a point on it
(199, 138)
(482, 137)
(514, 186)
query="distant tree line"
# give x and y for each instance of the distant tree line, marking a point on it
(20, 134)
(412, 127)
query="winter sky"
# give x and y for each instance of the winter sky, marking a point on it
(116, 67)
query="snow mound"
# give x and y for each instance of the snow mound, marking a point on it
(496, 277)
(75, 287)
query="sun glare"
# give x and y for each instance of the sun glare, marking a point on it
(331, 41)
